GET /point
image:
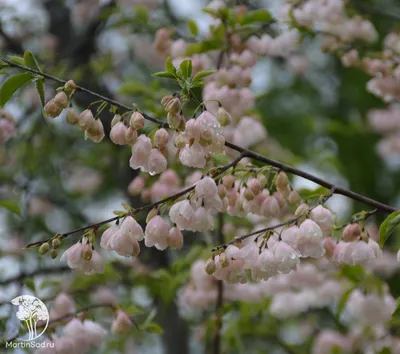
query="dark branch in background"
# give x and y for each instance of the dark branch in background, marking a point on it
(217, 343)
(11, 44)
(362, 6)
(40, 271)
(244, 152)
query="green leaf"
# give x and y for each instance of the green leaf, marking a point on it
(186, 68)
(203, 74)
(40, 89)
(30, 61)
(169, 67)
(15, 59)
(30, 284)
(165, 75)
(12, 84)
(255, 16)
(396, 312)
(11, 206)
(354, 273)
(388, 226)
(343, 301)
(153, 328)
(193, 27)
(220, 159)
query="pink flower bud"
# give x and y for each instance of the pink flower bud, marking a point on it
(61, 99)
(329, 246)
(254, 186)
(117, 134)
(130, 136)
(52, 109)
(137, 121)
(175, 238)
(210, 266)
(136, 186)
(94, 333)
(70, 85)
(116, 119)
(302, 209)
(270, 207)
(86, 119)
(351, 232)
(282, 180)
(157, 163)
(224, 118)
(122, 323)
(71, 116)
(152, 213)
(156, 233)
(228, 181)
(173, 106)
(166, 99)
(161, 138)
(95, 131)
(294, 198)
(174, 120)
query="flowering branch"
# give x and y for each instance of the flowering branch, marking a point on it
(271, 228)
(245, 152)
(215, 173)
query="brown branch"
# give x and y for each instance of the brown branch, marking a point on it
(216, 173)
(245, 152)
(40, 271)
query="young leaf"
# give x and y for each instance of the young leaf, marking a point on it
(388, 226)
(30, 61)
(256, 16)
(343, 301)
(165, 75)
(153, 328)
(169, 67)
(12, 84)
(193, 27)
(15, 59)
(40, 89)
(186, 68)
(11, 206)
(202, 74)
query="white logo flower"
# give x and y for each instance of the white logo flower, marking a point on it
(33, 313)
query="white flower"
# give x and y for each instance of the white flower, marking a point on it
(182, 214)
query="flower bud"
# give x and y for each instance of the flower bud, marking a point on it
(52, 109)
(263, 180)
(116, 119)
(136, 186)
(294, 198)
(302, 209)
(130, 136)
(223, 260)
(282, 180)
(53, 253)
(174, 120)
(329, 246)
(161, 138)
(351, 232)
(85, 119)
(87, 252)
(71, 116)
(284, 192)
(166, 99)
(137, 121)
(122, 323)
(182, 123)
(173, 106)
(270, 207)
(228, 181)
(179, 141)
(153, 212)
(223, 117)
(117, 133)
(70, 85)
(221, 191)
(248, 194)
(175, 238)
(44, 248)
(61, 99)
(254, 186)
(210, 266)
(281, 200)
(56, 243)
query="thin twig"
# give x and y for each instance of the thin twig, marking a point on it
(246, 152)
(217, 173)
(41, 271)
